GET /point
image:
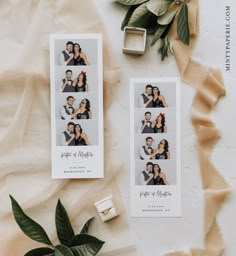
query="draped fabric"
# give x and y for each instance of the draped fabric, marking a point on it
(25, 162)
(209, 87)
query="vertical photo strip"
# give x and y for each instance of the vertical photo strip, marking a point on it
(155, 176)
(76, 106)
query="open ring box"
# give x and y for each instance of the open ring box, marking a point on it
(134, 40)
(107, 208)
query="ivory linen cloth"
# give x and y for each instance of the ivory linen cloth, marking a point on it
(25, 126)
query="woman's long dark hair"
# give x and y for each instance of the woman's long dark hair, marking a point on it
(87, 105)
(80, 50)
(84, 77)
(166, 147)
(81, 130)
(159, 168)
(163, 119)
(155, 87)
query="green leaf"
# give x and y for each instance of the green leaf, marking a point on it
(131, 2)
(62, 250)
(151, 25)
(31, 228)
(142, 18)
(167, 30)
(164, 49)
(139, 15)
(85, 245)
(86, 226)
(43, 251)
(152, 29)
(158, 34)
(128, 15)
(166, 18)
(65, 231)
(158, 7)
(182, 24)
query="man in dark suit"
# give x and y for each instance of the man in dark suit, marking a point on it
(67, 82)
(145, 99)
(68, 111)
(68, 136)
(147, 124)
(146, 176)
(66, 57)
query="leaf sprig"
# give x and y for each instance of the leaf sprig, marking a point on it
(82, 244)
(155, 16)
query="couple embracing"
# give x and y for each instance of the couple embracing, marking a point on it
(152, 175)
(73, 55)
(152, 98)
(74, 136)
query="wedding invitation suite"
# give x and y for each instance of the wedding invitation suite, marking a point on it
(155, 147)
(76, 105)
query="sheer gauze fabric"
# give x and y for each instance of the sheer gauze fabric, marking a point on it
(25, 127)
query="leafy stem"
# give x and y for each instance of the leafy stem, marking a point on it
(82, 244)
(164, 49)
(156, 17)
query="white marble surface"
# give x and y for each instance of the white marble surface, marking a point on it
(159, 235)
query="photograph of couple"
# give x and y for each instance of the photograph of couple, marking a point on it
(152, 175)
(75, 99)
(73, 55)
(78, 84)
(74, 136)
(152, 98)
(154, 131)
(148, 152)
(158, 125)
(77, 105)
(69, 111)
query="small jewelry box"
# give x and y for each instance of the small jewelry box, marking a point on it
(107, 208)
(134, 40)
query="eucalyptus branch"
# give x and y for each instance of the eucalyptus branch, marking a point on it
(154, 15)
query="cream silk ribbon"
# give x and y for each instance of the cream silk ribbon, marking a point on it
(25, 170)
(209, 87)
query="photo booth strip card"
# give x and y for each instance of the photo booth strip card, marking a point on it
(76, 68)
(155, 176)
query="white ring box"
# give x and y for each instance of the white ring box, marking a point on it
(107, 208)
(134, 40)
